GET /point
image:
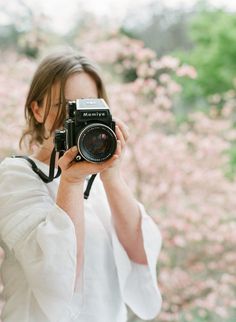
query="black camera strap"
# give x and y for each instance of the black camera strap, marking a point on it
(39, 172)
(51, 176)
(89, 186)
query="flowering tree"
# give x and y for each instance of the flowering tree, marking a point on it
(176, 170)
(15, 73)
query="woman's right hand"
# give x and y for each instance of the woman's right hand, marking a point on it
(75, 172)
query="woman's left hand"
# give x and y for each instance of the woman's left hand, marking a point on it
(122, 133)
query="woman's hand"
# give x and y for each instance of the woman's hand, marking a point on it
(76, 172)
(122, 133)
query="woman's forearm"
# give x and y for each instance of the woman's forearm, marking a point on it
(70, 199)
(126, 217)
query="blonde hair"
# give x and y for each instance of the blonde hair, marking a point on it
(55, 68)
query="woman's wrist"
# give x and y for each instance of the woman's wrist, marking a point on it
(66, 180)
(69, 194)
(111, 177)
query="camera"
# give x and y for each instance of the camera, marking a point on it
(90, 127)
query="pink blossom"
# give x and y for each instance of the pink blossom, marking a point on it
(186, 71)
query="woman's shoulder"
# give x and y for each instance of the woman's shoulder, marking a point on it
(14, 165)
(17, 171)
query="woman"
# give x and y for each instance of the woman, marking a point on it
(66, 258)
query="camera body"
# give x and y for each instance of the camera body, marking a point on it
(88, 125)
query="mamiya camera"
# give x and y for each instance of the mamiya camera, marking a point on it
(88, 125)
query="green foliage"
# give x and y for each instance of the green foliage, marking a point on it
(231, 168)
(213, 33)
(132, 34)
(8, 36)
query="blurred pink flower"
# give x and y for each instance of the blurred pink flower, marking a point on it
(186, 71)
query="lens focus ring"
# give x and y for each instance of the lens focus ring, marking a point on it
(97, 142)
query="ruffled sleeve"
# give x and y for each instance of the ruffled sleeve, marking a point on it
(40, 235)
(138, 283)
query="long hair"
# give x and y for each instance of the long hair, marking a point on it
(54, 69)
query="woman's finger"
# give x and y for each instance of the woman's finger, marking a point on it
(118, 149)
(120, 136)
(123, 127)
(65, 161)
(107, 164)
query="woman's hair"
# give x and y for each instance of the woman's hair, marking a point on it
(55, 69)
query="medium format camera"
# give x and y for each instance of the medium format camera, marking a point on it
(88, 125)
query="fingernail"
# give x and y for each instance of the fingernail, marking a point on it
(74, 149)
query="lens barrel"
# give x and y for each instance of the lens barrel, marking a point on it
(97, 142)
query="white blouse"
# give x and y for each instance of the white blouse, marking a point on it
(39, 268)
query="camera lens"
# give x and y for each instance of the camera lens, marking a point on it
(97, 142)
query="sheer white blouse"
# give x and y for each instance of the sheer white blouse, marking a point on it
(39, 268)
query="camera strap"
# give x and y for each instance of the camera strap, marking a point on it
(51, 176)
(89, 186)
(39, 172)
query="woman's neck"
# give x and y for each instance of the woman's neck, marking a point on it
(43, 152)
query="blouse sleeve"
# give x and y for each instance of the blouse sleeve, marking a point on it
(138, 282)
(40, 235)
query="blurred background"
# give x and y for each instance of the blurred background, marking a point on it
(170, 71)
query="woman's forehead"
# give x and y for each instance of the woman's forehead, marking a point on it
(80, 85)
(77, 85)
